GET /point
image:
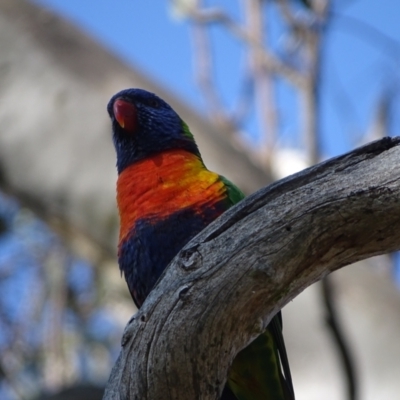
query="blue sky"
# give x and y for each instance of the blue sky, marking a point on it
(360, 60)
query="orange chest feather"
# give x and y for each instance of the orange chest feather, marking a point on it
(163, 184)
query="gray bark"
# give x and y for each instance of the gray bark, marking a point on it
(224, 287)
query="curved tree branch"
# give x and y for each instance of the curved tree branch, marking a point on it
(223, 288)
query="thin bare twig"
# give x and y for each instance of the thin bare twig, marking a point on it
(271, 63)
(312, 37)
(338, 335)
(204, 69)
(262, 80)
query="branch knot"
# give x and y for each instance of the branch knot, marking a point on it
(190, 258)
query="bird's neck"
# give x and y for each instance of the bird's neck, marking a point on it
(161, 185)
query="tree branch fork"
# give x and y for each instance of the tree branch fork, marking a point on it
(223, 288)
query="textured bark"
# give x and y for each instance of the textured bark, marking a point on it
(223, 288)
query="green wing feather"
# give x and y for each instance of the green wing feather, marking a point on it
(234, 193)
(256, 374)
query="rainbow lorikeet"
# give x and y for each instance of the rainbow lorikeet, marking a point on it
(166, 196)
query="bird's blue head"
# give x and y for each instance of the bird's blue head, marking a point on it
(143, 125)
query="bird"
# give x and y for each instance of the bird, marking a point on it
(165, 197)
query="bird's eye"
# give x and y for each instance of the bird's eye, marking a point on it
(154, 103)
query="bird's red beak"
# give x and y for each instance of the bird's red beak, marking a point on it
(126, 115)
